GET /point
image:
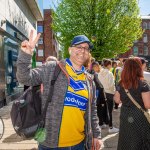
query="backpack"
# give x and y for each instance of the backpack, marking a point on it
(100, 89)
(26, 112)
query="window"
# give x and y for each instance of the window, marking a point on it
(135, 50)
(140, 52)
(145, 50)
(135, 41)
(40, 41)
(144, 25)
(145, 38)
(38, 63)
(149, 25)
(40, 29)
(40, 53)
(53, 42)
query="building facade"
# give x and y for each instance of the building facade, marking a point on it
(47, 45)
(17, 18)
(141, 47)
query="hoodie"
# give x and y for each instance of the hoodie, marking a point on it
(107, 79)
(147, 76)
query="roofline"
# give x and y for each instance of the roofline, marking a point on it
(145, 17)
(35, 9)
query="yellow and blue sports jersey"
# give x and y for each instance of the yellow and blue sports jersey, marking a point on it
(75, 103)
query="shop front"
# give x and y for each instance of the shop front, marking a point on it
(10, 41)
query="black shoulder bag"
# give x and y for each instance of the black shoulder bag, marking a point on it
(27, 117)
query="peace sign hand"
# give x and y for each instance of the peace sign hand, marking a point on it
(28, 46)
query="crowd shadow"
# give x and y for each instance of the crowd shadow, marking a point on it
(12, 139)
(110, 141)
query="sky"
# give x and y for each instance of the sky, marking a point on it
(47, 4)
(144, 5)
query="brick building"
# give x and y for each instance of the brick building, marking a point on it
(141, 47)
(47, 44)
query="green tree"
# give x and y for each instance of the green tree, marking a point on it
(112, 25)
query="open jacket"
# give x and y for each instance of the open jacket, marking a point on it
(43, 75)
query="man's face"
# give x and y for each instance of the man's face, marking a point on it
(96, 68)
(79, 54)
(109, 67)
(115, 65)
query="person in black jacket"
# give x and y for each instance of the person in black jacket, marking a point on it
(101, 98)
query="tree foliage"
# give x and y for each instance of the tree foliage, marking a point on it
(112, 25)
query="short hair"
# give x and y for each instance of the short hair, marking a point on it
(143, 60)
(114, 62)
(51, 58)
(95, 63)
(107, 62)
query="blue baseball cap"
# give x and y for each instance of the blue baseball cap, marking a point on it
(81, 39)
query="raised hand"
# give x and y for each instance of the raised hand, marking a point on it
(28, 46)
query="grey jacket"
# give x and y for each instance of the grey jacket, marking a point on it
(43, 75)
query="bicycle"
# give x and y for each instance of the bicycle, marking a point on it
(1, 127)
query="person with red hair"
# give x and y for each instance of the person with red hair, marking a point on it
(134, 128)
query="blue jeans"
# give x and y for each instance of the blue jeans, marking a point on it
(79, 146)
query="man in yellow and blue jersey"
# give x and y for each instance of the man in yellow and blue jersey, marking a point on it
(71, 119)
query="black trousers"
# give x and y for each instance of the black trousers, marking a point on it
(102, 114)
(102, 111)
(116, 105)
(110, 107)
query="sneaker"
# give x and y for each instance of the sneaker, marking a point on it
(113, 130)
(104, 126)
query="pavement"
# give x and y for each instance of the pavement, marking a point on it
(11, 141)
(110, 141)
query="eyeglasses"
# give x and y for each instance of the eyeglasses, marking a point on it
(79, 47)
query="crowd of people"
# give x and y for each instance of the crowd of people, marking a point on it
(85, 94)
(111, 79)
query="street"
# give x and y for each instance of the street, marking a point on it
(11, 141)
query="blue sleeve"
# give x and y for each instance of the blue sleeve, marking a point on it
(118, 88)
